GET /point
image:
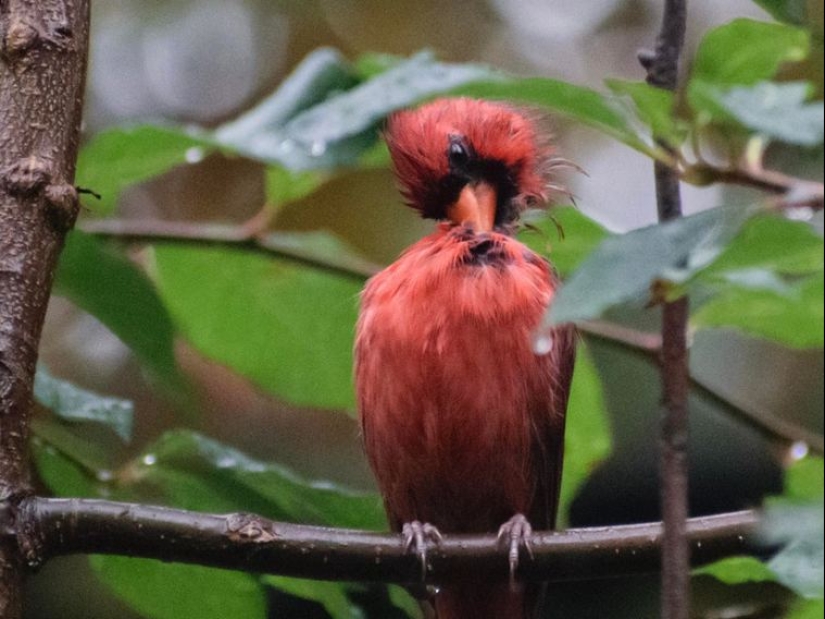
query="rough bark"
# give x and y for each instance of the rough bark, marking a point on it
(43, 50)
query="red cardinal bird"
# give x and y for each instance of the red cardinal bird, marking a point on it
(462, 421)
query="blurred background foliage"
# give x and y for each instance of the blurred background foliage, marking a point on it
(211, 291)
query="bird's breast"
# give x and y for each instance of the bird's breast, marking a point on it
(445, 371)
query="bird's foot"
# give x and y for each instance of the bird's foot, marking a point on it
(416, 535)
(516, 533)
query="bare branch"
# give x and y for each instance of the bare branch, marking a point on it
(52, 527)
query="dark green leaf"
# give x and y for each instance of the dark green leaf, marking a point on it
(286, 327)
(587, 439)
(322, 74)
(623, 268)
(319, 248)
(565, 235)
(581, 104)
(790, 11)
(80, 448)
(103, 282)
(655, 107)
(778, 111)
(74, 404)
(744, 52)
(60, 474)
(118, 158)
(791, 314)
(331, 595)
(195, 472)
(738, 570)
(176, 591)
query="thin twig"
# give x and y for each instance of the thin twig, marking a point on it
(53, 527)
(662, 67)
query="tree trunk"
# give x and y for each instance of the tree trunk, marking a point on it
(43, 52)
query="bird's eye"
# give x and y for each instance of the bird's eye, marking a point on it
(458, 153)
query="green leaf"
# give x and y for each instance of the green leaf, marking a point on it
(792, 315)
(74, 404)
(321, 249)
(198, 473)
(176, 591)
(778, 111)
(623, 268)
(576, 102)
(331, 595)
(775, 243)
(284, 186)
(738, 570)
(790, 11)
(655, 107)
(60, 474)
(800, 565)
(100, 280)
(587, 439)
(286, 327)
(580, 236)
(322, 74)
(79, 447)
(118, 158)
(744, 52)
(805, 479)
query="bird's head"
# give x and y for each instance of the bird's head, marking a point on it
(469, 161)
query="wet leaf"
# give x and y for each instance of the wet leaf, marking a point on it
(623, 268)
(176, 591)
(286, 327)
(99, 279)
(71, 403)
(121, 157)
(198, 473)
(584, 105)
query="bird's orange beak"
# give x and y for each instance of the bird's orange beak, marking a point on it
(476, 206)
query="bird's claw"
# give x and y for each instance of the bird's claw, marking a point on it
(416, 535)
(516, 533)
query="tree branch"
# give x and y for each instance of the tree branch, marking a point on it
(53, 527)
(663, 72)
(274, 243)
(43, 50)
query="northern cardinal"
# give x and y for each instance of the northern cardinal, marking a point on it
(462, 421)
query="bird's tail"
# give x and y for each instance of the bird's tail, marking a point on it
(479, 600)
